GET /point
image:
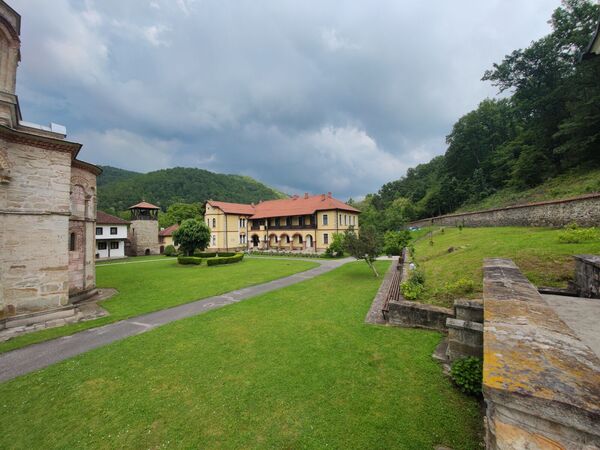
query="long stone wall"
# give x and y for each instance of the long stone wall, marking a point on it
(541, 382)
(583, 210)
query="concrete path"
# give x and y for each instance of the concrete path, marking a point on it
(581, 315)
(37, 356)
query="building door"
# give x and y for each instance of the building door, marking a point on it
(309, 241)
(255, 240)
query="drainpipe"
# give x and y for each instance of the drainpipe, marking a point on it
(226, 237)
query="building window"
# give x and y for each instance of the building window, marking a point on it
(287, 239)
(101, 245)
(114, 245)
(242, 239)
(301, 221)
(72, 242)
(340, 219)
(214, 239)
(325, 219)
(300, 239)
(277, 222)
(98, 231)
(214, 223)
(113, 230)
(242, 223)
(326, 238)
(345, 219)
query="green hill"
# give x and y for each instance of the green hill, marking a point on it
(113, 174)
(119, 189)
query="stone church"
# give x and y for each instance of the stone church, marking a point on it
(47, 204)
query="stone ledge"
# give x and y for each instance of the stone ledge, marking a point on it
(418, 315)
(535, 368)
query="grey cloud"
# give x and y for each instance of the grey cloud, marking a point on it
(307, 96)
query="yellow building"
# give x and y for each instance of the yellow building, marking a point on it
(296, 224)
(165, 237)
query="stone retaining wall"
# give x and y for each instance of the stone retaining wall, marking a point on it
(541, 383)
(583, 210)
(587, 275)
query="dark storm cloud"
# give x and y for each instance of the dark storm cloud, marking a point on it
(306, 96)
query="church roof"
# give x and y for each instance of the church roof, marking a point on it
(144, 205)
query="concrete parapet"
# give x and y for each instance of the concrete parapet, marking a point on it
(587, 275)
(469, 310)
(465, 339)
(541, 382)
(418, 315)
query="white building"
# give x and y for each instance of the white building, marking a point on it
(111, 233)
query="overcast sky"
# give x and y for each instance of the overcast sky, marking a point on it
(310, 96)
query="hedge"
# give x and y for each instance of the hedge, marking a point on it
(189, 260)
(237, 257)
(213, 254)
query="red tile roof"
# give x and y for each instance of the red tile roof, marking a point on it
(144, 205)
(103, 218)
(169, 230)
(233, 208)
(295, 206)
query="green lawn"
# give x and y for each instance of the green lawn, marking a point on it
(294, 368)
(148, 284)
(537, 252)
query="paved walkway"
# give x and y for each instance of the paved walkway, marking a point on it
(37, 356)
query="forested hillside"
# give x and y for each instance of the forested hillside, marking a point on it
(547, 129)
(168, 186)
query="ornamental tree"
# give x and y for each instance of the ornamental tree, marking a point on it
(364, 246)
(192, 234)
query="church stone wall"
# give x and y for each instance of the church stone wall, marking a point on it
(143, 235)
(82, 223)
(34, 215)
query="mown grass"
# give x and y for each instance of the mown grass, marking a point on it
(294, 368)
(573, 183)
(149, 284)
(537, 251)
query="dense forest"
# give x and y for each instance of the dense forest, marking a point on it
(119, 189)
(546, 124)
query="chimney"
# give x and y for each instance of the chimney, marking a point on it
(295, 197)
(252, 204)
(329, 194)
(305, 195)
(323, 197)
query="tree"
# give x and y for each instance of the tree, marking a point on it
(178, 212)
(192, 234)
(400, 211)
(336, 248)
(395, 241)
(364, 246)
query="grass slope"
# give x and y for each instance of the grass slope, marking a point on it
(570, 184)
(537, 252)
(295, 368)
(147, 285)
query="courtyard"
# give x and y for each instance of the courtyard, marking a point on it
(296, 367)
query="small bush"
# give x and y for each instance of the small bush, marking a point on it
(414, 286)
(410, 290)
(185, 260)
(462, 286)
(170, 250)
(467, 373)
(573, 234)
(287, 254)
(237, 257)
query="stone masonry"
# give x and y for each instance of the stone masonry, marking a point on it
(45, 195)
(583, 210)
(541, 381)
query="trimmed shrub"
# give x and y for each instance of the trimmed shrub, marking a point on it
(213, 254)
(287, 254)
(170, 250)
(185, 260)
(460, 287)
(237, 257)
(467, 373)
